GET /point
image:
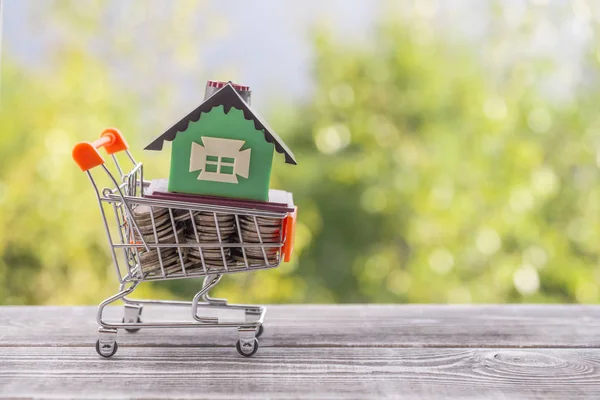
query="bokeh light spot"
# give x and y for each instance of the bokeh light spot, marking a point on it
(581, 10)
(383, 130)
(544, 181)
(536, 256)
(378, 266)
(488, 242)
(495, 108)
(398, 281)
(521, 200)
(425, 8)
(539, 120)
(442, 195)
(526, 280)
(332, 139)
(441, 261)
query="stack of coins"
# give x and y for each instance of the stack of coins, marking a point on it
(206, 231)
(265, 230)
(161, 231)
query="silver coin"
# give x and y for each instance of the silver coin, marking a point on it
(151, 260)
(229, 228)
(154, 264)
(213, 258)
(204, 216)
(223, 229)
(212, 238)
(210, 258)
(252, 237)
(153, 254)
(150, 263)
(255, 260)
(168, 270)
(173, 265)
(160, 229)
(166, 236)
(192, 240)
(146, 226)
(176, 269)
(145, 210)
(259, 252)
(211, 221)
(263, 229)
(207, 250)
(181, 217)
(262, 220)
(218, 257)
(172, 270)
(144, 214)
(209, 267)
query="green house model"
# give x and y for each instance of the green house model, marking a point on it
(222, 148)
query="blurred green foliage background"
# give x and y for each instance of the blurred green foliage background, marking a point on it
(432, 168)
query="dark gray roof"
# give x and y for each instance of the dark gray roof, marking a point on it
(228, 98)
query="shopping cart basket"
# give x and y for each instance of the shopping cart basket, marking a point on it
(153, 239)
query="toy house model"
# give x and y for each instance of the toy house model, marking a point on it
(222, 148)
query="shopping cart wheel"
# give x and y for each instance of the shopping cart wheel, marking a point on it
(132, 330)
(107, 349)
(260, 331)
(248, 348)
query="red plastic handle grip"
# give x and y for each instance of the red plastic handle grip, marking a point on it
(112, 140)
(86, 154)
(290, 232)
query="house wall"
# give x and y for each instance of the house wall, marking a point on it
(228, 126)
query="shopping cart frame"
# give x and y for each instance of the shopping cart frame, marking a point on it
(122, 198)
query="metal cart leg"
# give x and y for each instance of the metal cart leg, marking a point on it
(253, 314)
(209, 282)
(249, 328)
(210, 300)
(248, 332)
(132, 315)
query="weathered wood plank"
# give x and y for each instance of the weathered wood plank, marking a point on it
(329, 326)
(65, 372)
(312, 351)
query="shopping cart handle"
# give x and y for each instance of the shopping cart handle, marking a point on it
(112, 140)
(86, 154)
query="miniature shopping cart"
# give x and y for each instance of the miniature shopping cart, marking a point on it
(156, 239)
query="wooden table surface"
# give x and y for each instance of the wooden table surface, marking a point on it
(379, 351)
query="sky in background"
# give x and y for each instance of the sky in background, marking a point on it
(267, 43)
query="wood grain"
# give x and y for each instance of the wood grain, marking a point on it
(311, 373)
(354, 351)
(329, 326)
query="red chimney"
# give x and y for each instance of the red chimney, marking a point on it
(214, 86)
